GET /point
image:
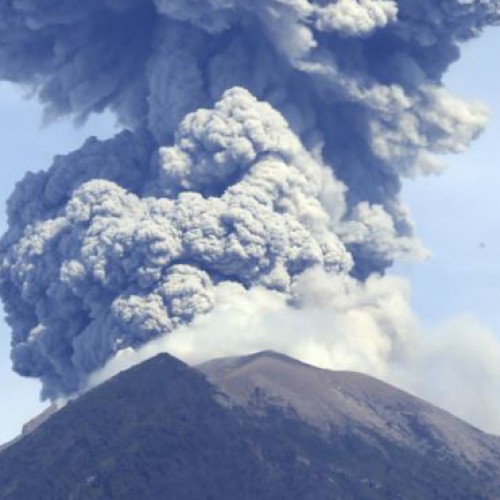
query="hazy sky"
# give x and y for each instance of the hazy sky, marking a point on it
(457, 214)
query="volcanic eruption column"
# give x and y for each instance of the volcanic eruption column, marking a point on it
(262, 149)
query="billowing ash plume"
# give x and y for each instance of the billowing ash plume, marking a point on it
(261, 140)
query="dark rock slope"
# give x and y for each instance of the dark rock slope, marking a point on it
(269, 428)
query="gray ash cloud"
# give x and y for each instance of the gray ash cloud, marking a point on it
(259, 142)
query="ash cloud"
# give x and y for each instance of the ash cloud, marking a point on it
(259, 145)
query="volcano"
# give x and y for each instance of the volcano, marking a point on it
(263, 426)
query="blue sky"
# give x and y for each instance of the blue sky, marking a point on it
(457, 214)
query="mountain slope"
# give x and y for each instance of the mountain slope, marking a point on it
(335, 402)
(401, 445)
(281, 430)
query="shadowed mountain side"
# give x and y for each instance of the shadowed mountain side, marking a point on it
(137, 436)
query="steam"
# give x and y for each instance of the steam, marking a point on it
(260, 162)
(340, 323)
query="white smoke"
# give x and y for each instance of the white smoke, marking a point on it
(332, 321)
(341, 324)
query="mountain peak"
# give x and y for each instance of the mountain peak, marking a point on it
(236, 362)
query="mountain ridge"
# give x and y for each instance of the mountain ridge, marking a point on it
(165, 430)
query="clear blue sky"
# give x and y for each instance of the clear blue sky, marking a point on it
(457, 214)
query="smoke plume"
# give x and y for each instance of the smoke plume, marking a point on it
(258, 170)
